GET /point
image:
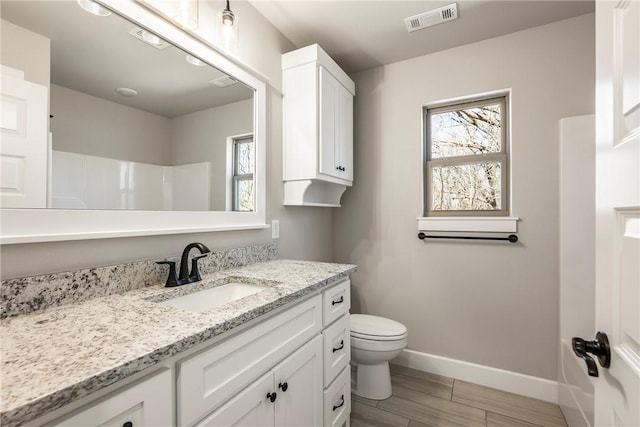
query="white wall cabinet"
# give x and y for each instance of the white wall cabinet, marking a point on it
(318, 128)
(289, 370)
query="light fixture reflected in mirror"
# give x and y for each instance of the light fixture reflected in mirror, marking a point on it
(94, 8)
(195, 61)
(227, 30)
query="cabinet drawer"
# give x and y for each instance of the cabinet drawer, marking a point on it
(337, 400)
(337, 348)
(211, 377)
(337, 301)
(146, 403)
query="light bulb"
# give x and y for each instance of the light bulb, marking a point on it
(228, 18)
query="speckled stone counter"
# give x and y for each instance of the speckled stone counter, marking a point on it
(52, 358)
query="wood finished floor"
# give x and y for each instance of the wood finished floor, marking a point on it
(422, 399)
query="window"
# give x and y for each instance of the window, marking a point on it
(467, 159)
(242, 181)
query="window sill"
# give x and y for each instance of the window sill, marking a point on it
(469, 224)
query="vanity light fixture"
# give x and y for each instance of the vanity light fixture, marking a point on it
(195, 61)
(227, 29)
(125, 91)
(94, 8)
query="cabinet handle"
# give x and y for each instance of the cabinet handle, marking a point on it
(340, 347)
(340, 301)
(341, 403)
(127, 424)
(284, 386)
(272, 396)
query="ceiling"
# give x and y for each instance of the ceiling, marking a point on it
(96, 55)
(362, 34)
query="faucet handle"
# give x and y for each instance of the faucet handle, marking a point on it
(172, 279)
(194, 276)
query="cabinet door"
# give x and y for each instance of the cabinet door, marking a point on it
(249, 408)
(298, 382)
(329, 113)
(344, 141)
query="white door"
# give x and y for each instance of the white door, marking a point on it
(577, 269)
(298, 382)
(617, 390)
(249, 408)
(24, 144)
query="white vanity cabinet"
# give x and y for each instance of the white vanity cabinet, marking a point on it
(318, 128)
(289, 370)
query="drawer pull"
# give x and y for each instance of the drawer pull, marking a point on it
(272, 396)
(339, 347)
(284, 386)
(340, 301)
(127, 424)
(341, 403)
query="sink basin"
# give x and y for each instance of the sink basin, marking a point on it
(210, 298)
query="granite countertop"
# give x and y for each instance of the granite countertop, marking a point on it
(52, 358)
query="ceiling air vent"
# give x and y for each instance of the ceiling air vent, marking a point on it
(224, 81)
(433, 17)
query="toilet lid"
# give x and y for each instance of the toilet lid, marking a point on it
(376, 328)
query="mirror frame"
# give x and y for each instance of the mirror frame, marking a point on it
(49, 225)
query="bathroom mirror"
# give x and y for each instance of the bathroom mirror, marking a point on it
(136, 122)
(151, 130)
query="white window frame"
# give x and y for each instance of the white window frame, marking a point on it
(232, 167)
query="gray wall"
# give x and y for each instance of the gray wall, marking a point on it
(494, 304)
(202, 136)
(304, 231)
(93, 126)
(26, 51)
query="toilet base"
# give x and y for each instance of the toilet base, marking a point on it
(373, 381)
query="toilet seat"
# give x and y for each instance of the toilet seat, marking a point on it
(375, 328)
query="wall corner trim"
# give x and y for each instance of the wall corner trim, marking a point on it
(512, 382)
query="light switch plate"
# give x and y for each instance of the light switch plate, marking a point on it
(275, 229)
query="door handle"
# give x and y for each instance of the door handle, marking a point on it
(599, 347)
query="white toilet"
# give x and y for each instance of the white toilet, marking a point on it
(374, 342)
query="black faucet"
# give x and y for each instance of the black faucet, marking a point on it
(185, 276)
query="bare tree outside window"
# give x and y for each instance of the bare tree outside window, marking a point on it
(243, 183)
(466, 163)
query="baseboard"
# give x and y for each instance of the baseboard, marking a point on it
(512, 382)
